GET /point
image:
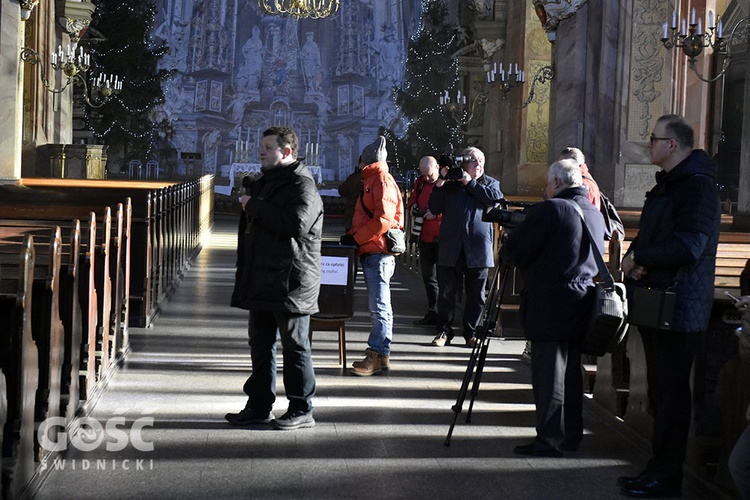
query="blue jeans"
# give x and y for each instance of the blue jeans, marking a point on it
(378, 268)
(299, 377)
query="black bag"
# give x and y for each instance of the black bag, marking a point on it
(609, 318)
(612, 221)
(652, 308)
(395, 240)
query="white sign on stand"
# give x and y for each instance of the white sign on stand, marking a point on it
(334, 270)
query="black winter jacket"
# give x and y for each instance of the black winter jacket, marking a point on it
(679, 229)
(278, 265)
(553, 254)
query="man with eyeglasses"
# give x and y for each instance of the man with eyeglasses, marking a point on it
(465, 243)
(675, 248)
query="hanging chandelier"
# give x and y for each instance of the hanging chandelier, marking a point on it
(312, 9)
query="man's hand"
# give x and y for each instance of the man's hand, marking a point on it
(348, 239)
(429, 215)
(743, 302)
(243, 200)
(630, 268)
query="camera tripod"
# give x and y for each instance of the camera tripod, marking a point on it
(474, 369)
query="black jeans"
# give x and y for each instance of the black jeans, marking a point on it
(428, 255)
(557, 381)
(449, 278)
(669, 361)
(299, 377)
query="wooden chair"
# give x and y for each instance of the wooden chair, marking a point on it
(336, 299)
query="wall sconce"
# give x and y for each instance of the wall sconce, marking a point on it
(75, 66)
(692, 39)
(26, 7)
(506, 81)
(458, 110)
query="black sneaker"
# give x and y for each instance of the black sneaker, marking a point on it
(430, 319)
(294, 420)
(249, 417)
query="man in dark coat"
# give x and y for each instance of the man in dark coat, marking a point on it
(676, 246)
(552, 251)
(465, 243)
(278, 279)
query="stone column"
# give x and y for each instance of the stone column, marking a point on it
(11, 103)
(742, 219)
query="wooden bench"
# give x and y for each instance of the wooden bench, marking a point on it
(68, 380)
(165, 227)
(18, 362)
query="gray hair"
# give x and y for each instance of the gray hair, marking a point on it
(573, 154)
(566, 171)
(475, 152)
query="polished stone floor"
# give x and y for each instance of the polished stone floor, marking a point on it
(380, 437)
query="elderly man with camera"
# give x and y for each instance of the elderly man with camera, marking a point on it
(551, 250)
(461, 195)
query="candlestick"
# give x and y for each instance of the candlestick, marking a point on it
(665, 31)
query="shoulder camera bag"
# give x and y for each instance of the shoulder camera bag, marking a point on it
(609, 318)
(395, 239)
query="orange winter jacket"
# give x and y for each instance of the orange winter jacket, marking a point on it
(382, 196)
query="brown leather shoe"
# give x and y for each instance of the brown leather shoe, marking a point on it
(385, 362)
(369, 365)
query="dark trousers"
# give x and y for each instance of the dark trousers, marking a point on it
(428, 255)
(474, 282)
(557, 382)
(669, 360)
(299, 377)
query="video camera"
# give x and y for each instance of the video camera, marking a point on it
(504, 216)
(453, 164)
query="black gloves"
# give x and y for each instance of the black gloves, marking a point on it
(348, 239)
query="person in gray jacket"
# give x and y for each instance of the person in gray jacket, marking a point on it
(278, 279)
(465, 243)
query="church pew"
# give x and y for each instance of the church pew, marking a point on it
(70, 309)
(18, 362)
(95, 292)
(165, 226)
(46, 326)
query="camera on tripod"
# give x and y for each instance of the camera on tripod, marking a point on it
(504, 216)
(453, 164)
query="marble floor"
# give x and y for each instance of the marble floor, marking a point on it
(379, 437)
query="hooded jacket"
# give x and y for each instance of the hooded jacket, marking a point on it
(679, 230)
(278, 265)
(382, 196)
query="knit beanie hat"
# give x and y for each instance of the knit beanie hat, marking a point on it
(375, 152)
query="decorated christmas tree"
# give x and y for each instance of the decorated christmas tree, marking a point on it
(430, 71)
(121, 44)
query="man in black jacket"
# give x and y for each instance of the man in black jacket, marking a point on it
(676, 247)
(277, 280)
(552, 251)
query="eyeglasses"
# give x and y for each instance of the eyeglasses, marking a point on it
(653, 139)
(468, 159)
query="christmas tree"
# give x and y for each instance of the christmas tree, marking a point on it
(127, 49)
(430, 71)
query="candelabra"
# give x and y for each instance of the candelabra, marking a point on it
(692, 39)
(26, 7)
(506, 81)
(312, 9)
(458, 109)
(75, 64)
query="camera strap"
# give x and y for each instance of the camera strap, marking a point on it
(362, 202)
(604, 273)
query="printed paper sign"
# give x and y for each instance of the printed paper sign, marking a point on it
(334, 270)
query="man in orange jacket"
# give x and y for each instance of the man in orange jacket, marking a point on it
(379, 209)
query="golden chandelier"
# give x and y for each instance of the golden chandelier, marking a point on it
(312, 9)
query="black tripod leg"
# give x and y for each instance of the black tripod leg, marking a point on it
(478, 376)
(458, 407)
